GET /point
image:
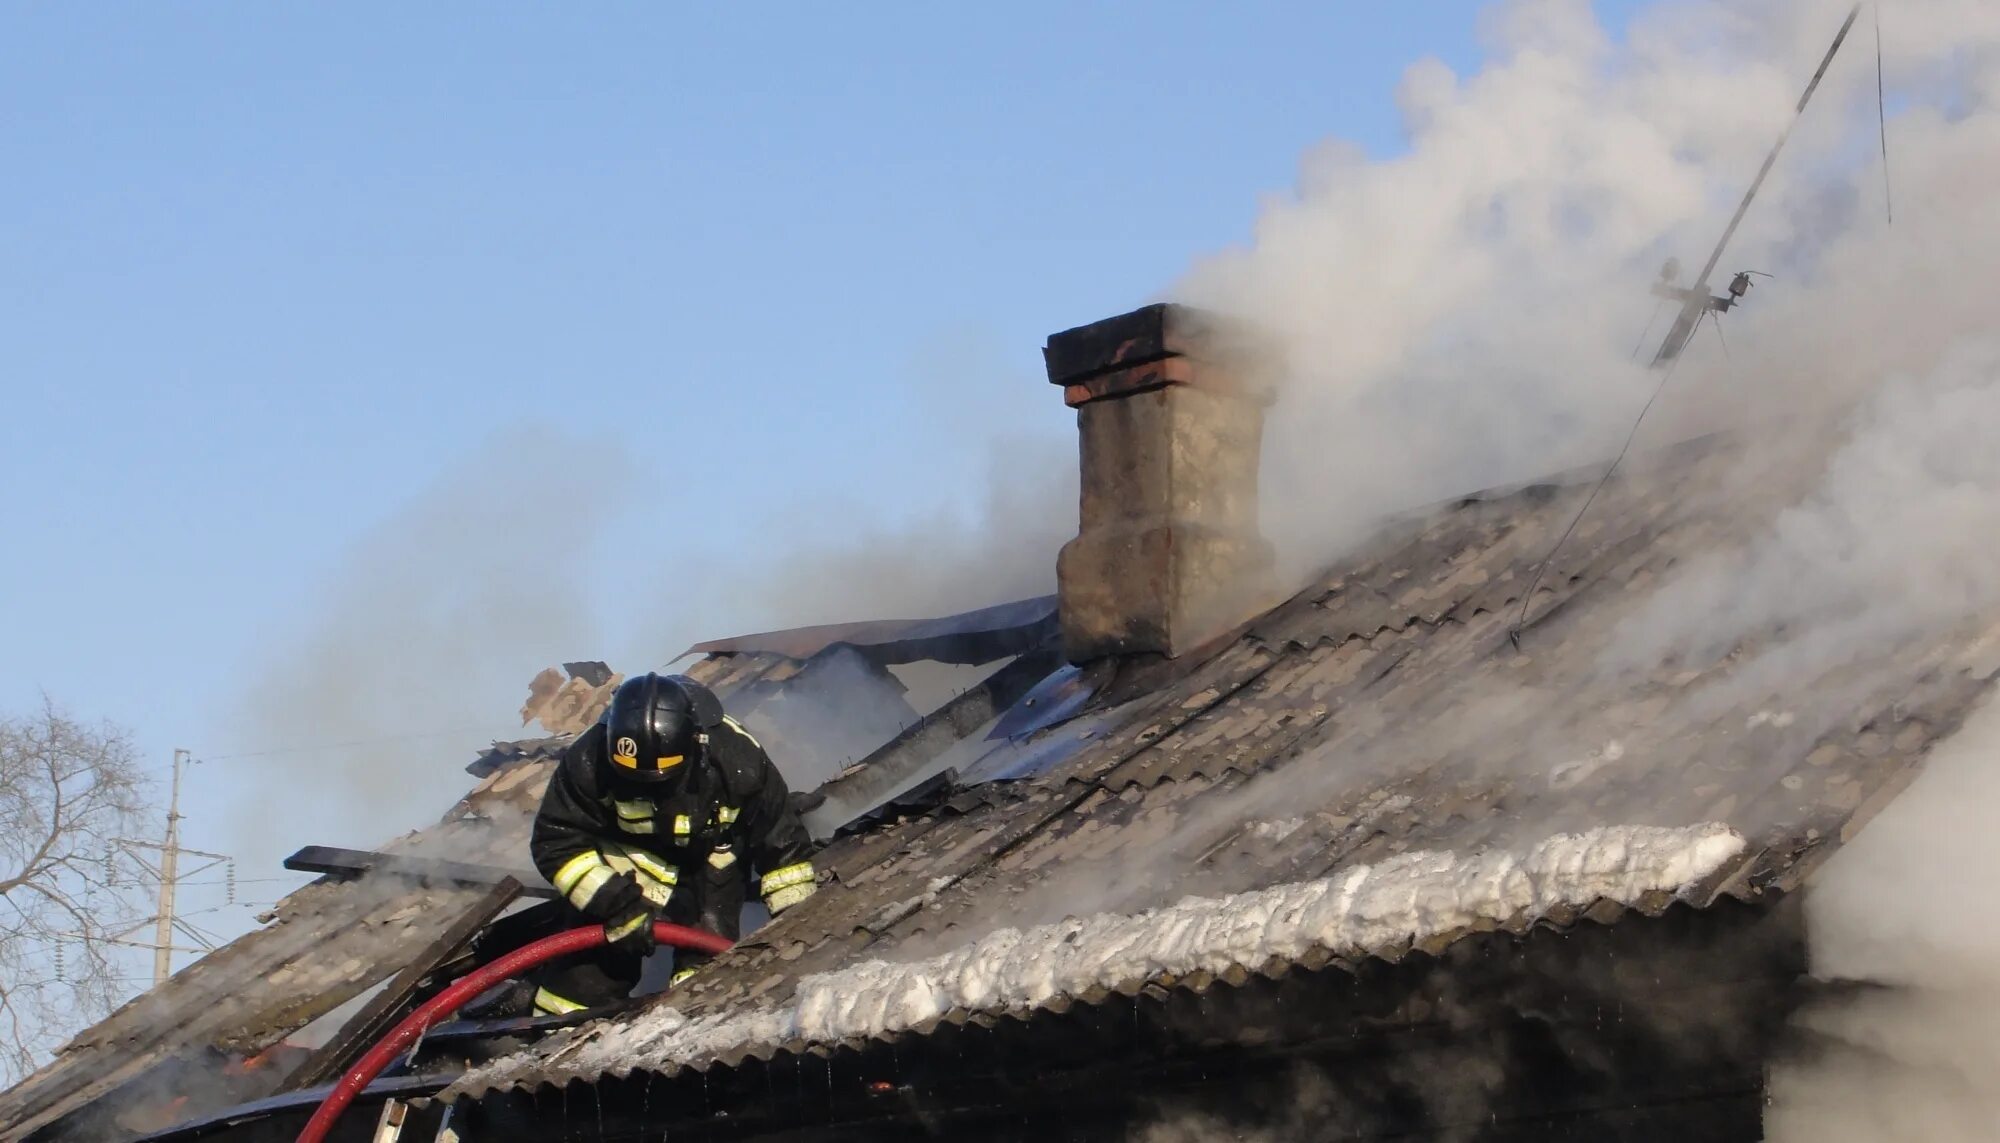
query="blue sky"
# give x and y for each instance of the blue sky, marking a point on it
(268, 272)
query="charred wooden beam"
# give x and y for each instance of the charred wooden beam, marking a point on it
(347, 864)
(380, 1014)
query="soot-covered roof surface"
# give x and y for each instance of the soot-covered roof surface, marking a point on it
(1382, 710)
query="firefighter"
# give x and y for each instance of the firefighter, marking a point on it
(666, 808)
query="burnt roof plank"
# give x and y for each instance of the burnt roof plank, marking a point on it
(351, 863)
(382, 1011)
(339, 939)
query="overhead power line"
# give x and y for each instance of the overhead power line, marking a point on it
(350, 744)
(1527, 597)
(162, 861)
(1882, 118)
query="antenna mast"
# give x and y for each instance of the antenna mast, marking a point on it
(1696, 301)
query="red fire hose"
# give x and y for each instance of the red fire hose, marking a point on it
(464, 989)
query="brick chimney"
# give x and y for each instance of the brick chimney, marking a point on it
(1170, 414)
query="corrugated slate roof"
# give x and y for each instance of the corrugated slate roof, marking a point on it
(1385, 709)
(1382, 709)
(1425, 901)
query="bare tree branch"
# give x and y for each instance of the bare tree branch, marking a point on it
(67, 790)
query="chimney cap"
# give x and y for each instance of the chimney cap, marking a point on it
(1147, 334)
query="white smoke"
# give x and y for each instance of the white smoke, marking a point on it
(419, 648)
(984, 483)
(1470, 312)
(1912, 903)
(1893, 541)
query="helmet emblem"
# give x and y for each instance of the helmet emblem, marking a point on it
(627, 747)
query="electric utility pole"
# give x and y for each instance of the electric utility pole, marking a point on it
(170, 860)
(169, 874)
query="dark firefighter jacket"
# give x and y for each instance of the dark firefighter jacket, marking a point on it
(734, 811)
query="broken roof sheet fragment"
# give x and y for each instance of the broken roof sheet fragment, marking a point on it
(968, 638)
(501, 755)
(1032, 755)
(1065, 692)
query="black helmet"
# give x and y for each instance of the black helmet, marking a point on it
(656, 727)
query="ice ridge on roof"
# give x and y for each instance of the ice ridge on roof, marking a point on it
(1359, 910)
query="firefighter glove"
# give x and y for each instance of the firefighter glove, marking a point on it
(783, 888)
(618, 897)
(632, 932)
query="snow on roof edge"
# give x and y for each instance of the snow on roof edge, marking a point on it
(1360, 909)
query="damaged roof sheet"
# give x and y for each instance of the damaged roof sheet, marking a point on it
(971, 638)
(1385, 710)
(326, 942)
